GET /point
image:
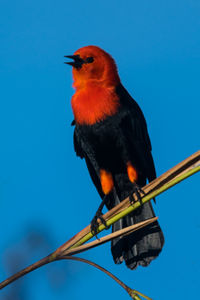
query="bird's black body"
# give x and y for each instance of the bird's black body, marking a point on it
(109, 145)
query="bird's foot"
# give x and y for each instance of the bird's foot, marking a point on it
(137, 190)
(95, 224)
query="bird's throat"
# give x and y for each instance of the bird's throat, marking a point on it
(94, 103)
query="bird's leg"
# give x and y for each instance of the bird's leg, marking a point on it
(133, 176)
(107, 185)
(138, 191)
(94, 223)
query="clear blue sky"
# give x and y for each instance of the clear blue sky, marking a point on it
(156, 45)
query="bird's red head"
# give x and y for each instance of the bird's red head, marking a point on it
(95, 80)
(91, 63)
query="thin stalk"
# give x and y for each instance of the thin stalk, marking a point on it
(36, 265)
(132, 293)
(109, 237)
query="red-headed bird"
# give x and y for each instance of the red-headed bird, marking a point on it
(111, 135)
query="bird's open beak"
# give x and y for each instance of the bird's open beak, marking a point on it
(77, 63)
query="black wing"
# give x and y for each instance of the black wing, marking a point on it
(135, 130)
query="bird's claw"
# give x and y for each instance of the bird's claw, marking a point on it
(94, 224)
(137, 190)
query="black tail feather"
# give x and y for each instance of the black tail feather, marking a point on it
(142, 246)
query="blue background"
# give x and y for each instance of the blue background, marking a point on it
(156, 45)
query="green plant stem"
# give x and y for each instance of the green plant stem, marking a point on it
(137, 204)
(136, 297)
(142, 295)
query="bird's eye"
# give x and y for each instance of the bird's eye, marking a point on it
(89, 60)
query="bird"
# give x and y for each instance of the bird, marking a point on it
(111, 135)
